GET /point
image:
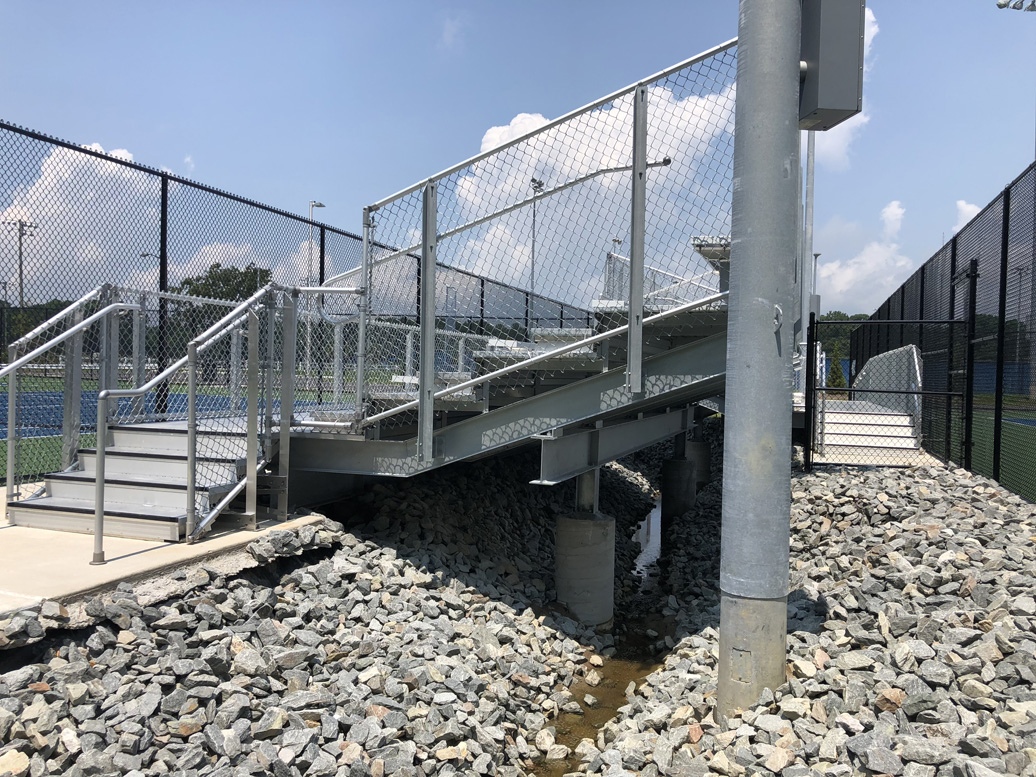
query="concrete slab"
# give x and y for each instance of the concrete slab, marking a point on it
(37, 564)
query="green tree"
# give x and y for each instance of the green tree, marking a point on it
(837, 329)
(835, 375)
(219, 282)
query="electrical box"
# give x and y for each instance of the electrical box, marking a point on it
(832, 49)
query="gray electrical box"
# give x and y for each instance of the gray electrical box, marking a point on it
(832, 48)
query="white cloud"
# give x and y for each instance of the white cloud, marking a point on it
(861, 283)
(188, 163)
(450, 34)
(965, 213)
(870, 30)
(891, 220)
(834, 145)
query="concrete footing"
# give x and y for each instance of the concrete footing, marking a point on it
(752, 650)
(699, 452)
(679, 489)
(584, 558)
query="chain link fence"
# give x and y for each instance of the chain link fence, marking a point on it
(73, 218)
(969, 311)
(528, 247)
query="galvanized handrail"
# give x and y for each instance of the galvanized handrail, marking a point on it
(545, 356)
(95, 294)
(66, 335)
(12, 368)
(218, 329)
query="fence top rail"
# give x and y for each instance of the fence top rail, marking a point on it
(560, 120)
(86, 323)
(82, 301)
(4, 125)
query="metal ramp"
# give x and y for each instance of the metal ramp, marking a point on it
(492, 306)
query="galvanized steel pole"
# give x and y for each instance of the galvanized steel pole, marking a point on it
(757, 437)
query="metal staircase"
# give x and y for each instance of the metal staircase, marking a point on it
(145, 493)
(461, 332)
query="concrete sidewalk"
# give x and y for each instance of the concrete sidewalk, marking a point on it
(37, 564)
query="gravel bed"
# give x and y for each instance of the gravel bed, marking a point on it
(912, 639)
(424, 641)
(420, 643)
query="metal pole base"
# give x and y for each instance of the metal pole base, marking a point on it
(98, 559)
(752, 650)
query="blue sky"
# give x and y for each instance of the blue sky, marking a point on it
(348, 102)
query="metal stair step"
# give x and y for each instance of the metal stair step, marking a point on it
(130, 490)
(152, 523)
(174, 440)
(120, 462)
(871, 441)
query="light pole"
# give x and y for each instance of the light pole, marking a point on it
(309, 281)
(25, 229)
(1017, 5)
(537, 189)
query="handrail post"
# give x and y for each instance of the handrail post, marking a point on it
(192, 436)
(638, 205)
(235, 374)
(102, 444)
(364, 312)
(337, 365)
(426, 378)
(252, 439)
(12, 423)
(408, 359)
(139, 354)
(289, 336)
(271, 335)
(71, 418)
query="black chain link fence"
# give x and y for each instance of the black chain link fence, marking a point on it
(969, 311)
(73, 218)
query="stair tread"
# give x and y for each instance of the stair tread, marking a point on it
(152, 513)
(113, 450)
(158, 428)
(178, 484)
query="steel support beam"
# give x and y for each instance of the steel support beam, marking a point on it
(683, 375)
(572, 454)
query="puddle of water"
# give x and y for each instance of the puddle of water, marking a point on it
(635, 659)
(650, 538)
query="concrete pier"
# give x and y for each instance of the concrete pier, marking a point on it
(584, 557)
(679, 489)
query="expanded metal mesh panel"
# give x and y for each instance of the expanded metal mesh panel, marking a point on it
(533, 242)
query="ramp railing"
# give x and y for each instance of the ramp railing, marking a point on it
(515, 236)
